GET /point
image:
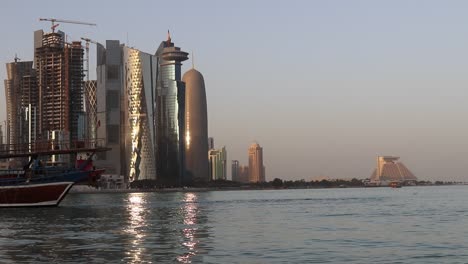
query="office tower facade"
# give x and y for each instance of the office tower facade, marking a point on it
(139, 79)
(218, 164)
(59, 70)
(170, 115)
(389, 169)
(109, 107)
(235, 174)
(256, 163)
(125, 110)
(90, 88)
(196, 127)
(17, 88)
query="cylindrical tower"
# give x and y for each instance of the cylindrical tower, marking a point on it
(196, 127)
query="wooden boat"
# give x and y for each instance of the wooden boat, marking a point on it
(38, 185)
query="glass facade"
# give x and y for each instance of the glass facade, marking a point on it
(125, 111)
(170, 115)
(218, 166)
(140, 132)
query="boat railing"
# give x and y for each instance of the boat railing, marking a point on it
(48, 147)
(10, 173)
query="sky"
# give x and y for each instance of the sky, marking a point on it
(323, 86)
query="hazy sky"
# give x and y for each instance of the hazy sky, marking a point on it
(323, 86)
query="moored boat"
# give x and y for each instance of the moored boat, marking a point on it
(38, 185)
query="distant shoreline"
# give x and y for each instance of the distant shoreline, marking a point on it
(207, 189)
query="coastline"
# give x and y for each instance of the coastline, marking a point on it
(90, 190)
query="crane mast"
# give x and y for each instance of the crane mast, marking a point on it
(87, 41)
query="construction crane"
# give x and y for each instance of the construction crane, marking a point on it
(87, 40)
(53, 20)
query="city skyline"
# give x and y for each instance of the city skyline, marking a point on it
(371, 78)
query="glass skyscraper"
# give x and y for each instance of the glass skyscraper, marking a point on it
(170, 115)
(125, 110)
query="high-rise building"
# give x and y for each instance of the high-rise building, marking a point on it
(20, 91)
(59, 70)
(235, 175)
(109, 107)
(125, 110)
(170, 115)
(256, 163)
(218, 164)
(140, 129)
(196, 127)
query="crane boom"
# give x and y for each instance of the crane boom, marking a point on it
(89, 40)
(53, 20)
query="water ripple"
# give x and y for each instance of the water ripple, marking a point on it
(423, 225)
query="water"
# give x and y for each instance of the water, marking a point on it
(374, 225)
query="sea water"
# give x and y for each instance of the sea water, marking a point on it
(351, 225)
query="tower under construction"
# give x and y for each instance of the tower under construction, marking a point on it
(59, 68)
(20, 94)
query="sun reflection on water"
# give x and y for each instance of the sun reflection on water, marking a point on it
(190, 211)
(136, 207)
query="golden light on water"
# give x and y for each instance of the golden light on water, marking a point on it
(190, 211)
(136, 207)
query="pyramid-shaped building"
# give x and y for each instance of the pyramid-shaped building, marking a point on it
(389, 169)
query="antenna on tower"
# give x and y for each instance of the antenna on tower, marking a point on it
(193, 60)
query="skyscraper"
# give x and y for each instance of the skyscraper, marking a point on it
(17, 85)
(125, 110)
(59, 68)
(218, 164)
(196, 126)
(140, 132)
(256, 163)
(235, 173)
(170, 115)
(110, 106)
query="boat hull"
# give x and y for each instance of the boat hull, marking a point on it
(34, 195)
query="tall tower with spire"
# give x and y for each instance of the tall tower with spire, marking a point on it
(196, 126)
(170, 115)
